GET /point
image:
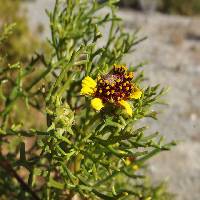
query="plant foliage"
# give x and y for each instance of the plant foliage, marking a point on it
(78, 152)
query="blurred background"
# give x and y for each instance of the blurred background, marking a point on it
(172, 53)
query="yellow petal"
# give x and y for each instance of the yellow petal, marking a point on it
(136, 94)
(86, 91)
(88, 86)
(97, 104)
(127, 107)
(89, 81)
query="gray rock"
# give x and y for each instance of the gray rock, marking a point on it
(175, 62)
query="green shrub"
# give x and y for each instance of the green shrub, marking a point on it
(91, 145)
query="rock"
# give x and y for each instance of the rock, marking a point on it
(179, 170)
(173, 63)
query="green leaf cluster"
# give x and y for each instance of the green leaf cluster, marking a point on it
(77, 152)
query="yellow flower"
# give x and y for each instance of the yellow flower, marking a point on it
(88, 86)
(116, 88)
(136, 94)
(127, 107)
(97, 104)
(135, 167)
(127, 161)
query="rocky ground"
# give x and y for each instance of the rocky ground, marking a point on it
(172, 50)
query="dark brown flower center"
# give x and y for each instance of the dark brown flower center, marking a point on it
(115, 86)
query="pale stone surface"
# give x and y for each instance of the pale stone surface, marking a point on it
(174, 60)
(172, 49)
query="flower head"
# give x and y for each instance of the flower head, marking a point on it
(115, 87)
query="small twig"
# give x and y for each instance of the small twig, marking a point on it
(5, 164)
